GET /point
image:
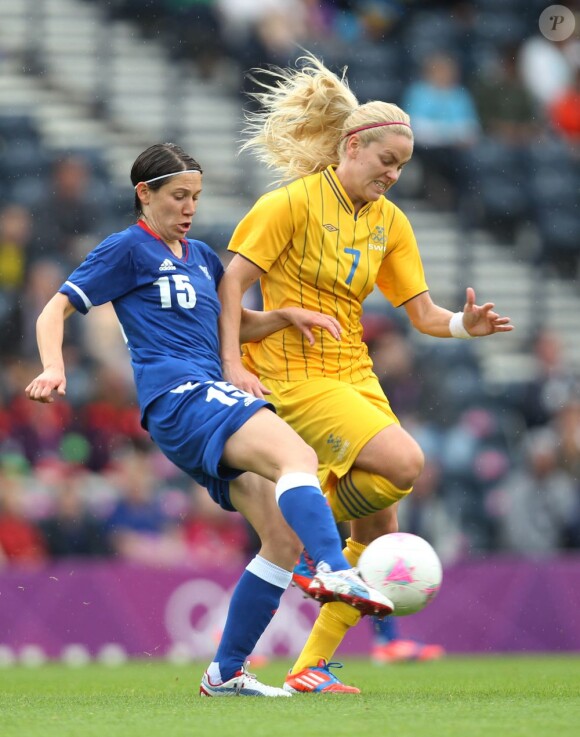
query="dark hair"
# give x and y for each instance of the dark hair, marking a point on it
(157, 160)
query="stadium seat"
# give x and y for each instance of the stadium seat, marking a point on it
(501, 27)
(554, 183)
(501, 176)
(374, 72)
(18, 127)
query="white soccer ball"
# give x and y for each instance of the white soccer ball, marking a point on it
(403, 567)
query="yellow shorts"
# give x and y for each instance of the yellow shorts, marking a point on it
(335, 418)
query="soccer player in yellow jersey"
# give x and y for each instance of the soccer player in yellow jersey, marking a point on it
(322, 242)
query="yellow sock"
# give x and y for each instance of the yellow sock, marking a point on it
(360, 493)
(353, 551)
(332, 623)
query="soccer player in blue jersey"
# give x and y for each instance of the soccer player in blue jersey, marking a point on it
(164, 289)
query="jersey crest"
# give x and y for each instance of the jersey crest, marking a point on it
(377, 239)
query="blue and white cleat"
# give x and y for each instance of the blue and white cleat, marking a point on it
(347, 586)
(242, 684)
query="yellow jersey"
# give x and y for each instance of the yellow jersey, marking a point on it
(317, 254)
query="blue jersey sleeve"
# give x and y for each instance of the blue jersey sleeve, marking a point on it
(108, 272)
(214, 264)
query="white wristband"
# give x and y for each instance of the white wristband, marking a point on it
(456, 326)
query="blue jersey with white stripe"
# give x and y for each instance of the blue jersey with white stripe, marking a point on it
(167, 306)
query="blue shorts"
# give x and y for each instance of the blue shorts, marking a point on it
(192, 423)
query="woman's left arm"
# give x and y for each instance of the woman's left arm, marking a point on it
(474, 322)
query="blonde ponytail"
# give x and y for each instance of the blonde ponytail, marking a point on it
(306, 114)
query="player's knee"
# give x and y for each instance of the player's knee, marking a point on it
(408, 469)
(291, 548)
(282, 546)
(288, 543)
(305, 457)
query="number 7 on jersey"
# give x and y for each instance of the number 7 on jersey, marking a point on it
(356, 253)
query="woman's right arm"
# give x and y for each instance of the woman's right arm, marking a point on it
(49, 335)
(238, 278)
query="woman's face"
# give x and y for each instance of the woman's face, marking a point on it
(367, 172)
(170, 209)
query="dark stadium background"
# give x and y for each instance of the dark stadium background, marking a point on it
(84, 87)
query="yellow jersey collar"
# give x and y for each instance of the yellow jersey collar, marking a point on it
(334, 182)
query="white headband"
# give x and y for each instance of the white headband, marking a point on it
(173, 174)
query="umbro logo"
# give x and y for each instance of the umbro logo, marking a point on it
(205, 271)
(167, 265)
(330, 228)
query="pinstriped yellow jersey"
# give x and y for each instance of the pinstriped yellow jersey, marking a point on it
(318, 255)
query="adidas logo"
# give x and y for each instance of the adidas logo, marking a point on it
(167, 265)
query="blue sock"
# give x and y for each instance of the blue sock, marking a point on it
(304, 507)
(254, 602)
(385, 630)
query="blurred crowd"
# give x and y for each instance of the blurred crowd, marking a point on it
(502, 466)
(80, 477)
(496, 117)
(494, 104)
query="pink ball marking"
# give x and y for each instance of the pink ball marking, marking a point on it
(400, 573)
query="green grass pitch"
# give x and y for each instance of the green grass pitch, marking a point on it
(455, 697)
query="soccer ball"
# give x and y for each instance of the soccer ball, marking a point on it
(403, 567)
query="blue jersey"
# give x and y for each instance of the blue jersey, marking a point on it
(167, 306)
